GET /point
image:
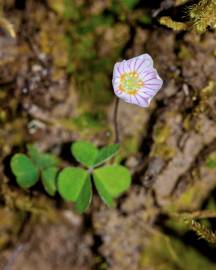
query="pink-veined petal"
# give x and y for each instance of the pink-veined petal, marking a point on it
(145, 90)
(143, 101)
(140, 101)
(153, 82)
(133, 99)
(148, 74)
(116, 80)
(152, 77)
(125, 66)
(116, 71)
(132, 63)
(145, 62)
(154, 88)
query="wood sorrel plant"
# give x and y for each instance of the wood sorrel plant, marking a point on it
(135, 81)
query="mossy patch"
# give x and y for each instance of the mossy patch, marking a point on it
(161, 146)
(203, 15)
(211, 161)
(165, 253)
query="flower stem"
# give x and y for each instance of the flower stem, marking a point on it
(115, 120)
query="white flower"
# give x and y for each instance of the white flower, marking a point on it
(136, 81)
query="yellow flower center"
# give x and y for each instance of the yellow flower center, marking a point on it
(130, 83)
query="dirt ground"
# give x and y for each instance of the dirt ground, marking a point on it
(55, 88)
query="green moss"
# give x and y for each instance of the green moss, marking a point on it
(181, 2)
(177, 225)
(191, 198)
(202, 105)
(130, 3)
(203, 15)
(211, 205)
(7, 26)
(57, 5)
(89, 120)
(163, 151)
(187, 197)
(20, 200)
(168, 22)
(186, 200)
(87, 124)
(3, 116)
(89, 64)
(145, 19)
(161, 147)
(211, 161)
(204, 95)
(184, 53)
(187, 122)
(203, 232)
(161, 133)
(168, 253)
(130, 145)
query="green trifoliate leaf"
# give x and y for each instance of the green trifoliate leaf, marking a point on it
(71, 182)
(85, 197)
(40, 159)
(115, 179)
(49, 180)
(104, 194)
(106, 153)
(25, 171)
(84, 152)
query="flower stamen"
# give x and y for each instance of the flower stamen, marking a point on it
(130, 83)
